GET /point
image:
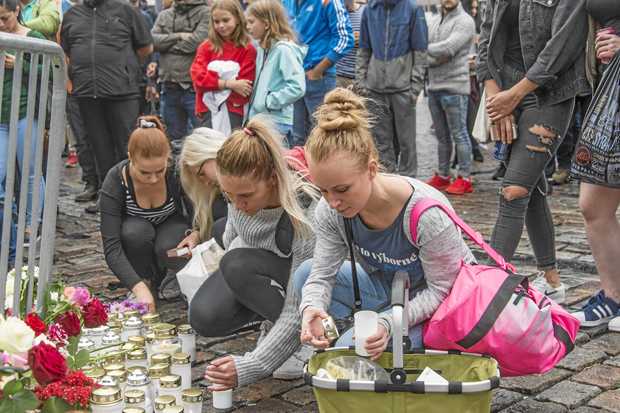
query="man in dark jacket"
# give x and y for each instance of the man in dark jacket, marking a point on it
(104, 41)
(177, 33)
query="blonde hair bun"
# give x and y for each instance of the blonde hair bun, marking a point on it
(342, 110)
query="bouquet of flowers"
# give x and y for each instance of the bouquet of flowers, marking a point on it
(39, 358)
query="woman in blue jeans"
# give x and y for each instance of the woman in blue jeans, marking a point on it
(370, 211)
(10, 23)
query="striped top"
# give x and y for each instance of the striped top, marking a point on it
(345, 67)
(154, 215)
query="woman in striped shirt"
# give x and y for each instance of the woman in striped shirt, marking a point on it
(144, 212)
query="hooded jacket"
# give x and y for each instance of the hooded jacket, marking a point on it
(176, 53)
(100, 38)
(323, 26)
(279, 82)
(392, 46)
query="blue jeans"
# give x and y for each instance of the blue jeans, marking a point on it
(178, 110)
(449, 114)
(4, 162)
(287, 132)
(376, 295)
(306, 106)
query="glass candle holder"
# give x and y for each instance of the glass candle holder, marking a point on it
(192, 400)
(106, 400)
(170, 385)
(181, 365)
(188, 341)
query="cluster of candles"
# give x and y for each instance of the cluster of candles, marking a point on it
(142, 365)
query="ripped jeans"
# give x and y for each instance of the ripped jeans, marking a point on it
(523, 196)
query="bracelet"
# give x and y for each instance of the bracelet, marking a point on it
(188, 232)
(225, 85)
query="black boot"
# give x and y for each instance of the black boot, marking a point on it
(89, 193)
(477, 155)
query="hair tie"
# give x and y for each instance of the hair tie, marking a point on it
(249, 132)
(147, 124)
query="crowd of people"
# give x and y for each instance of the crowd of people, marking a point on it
(286, 131)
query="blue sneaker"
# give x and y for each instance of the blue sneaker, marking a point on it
(598, 310)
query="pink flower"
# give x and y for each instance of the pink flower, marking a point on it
(57, 334)
(15, 360)
(77, 295)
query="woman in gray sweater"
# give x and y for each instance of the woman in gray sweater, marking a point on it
(267, 236)
(343, 163)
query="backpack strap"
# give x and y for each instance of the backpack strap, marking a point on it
(356, 288)
(426, 203)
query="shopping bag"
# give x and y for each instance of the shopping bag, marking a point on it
(481, 126)
(597, 154)
(204, 262)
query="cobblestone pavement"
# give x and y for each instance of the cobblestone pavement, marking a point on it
(586, 381)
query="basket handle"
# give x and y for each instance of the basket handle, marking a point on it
(400, 303)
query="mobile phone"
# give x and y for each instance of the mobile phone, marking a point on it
(175, 253)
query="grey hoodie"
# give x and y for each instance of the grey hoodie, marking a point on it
(450, 40)
(176, 53)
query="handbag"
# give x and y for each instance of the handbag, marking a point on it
(492, 310)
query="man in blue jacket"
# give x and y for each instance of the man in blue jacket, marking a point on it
(390, 69)
(324, 27)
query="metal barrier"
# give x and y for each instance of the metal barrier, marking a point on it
(46, 59)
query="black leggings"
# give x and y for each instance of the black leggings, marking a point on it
(249, 286)
(145, 246)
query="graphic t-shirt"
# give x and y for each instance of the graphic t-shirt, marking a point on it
(388, 250)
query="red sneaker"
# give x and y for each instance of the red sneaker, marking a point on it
(439, 182)
(72, 159)
(460, 186)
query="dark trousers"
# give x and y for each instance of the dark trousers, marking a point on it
(236, 120)
(84, 151)
(146, 245)
(525, 168)
(178, 110)
(249, 286)
(108, 124)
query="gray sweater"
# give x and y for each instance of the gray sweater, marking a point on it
(257, 231)
(450, 40)
(441, 252)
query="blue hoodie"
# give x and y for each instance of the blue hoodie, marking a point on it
(279, 82)
(324, 26)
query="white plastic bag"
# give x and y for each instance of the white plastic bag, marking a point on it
(216, 101)
(204, 262)
(481, 125)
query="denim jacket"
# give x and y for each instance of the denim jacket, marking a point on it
(553, 41)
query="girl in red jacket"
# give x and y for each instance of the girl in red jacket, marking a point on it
(223, 69)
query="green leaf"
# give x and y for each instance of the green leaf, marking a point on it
(13, 387)
(19, 402)
(72, 347)
(81, 359)
(56, 405)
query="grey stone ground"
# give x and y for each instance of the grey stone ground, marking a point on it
(586, 381)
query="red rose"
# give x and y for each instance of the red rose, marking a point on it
(35, 323)
(46, 363)
(69, 322)
(94, 314)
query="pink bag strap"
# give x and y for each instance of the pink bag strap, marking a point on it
(424, 204)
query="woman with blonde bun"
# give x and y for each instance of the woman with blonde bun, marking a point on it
(376, 207)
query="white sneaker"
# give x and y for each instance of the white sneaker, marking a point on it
(293, 368)
(614, 324)
(557, 294)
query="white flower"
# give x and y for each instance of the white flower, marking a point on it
(10, 284)
(15, 336)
